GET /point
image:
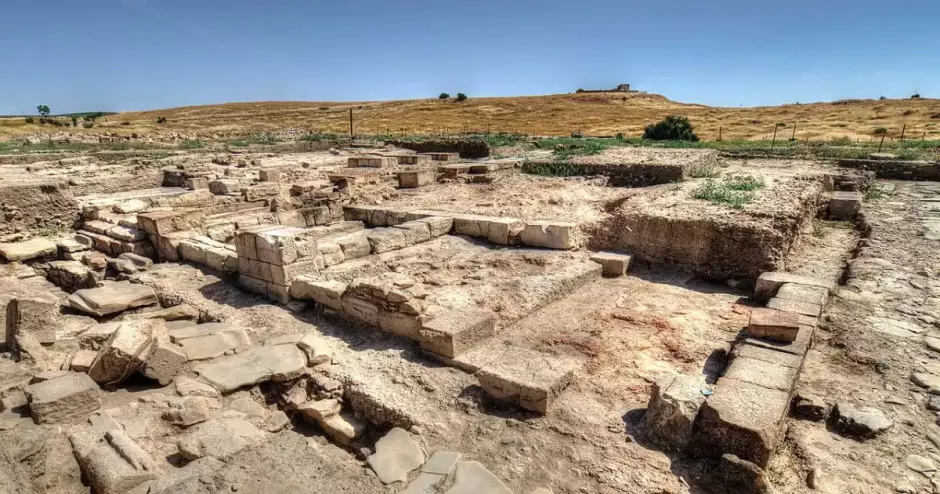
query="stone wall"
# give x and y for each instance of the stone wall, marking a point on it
(32, 207)
(468, 148)
(897, 170)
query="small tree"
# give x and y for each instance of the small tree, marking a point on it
(461, 97)
(43, 110)
(444, 96)
(74, 121)
(915, 96)
(671, 128)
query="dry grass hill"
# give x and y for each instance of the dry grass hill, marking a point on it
(591, 114)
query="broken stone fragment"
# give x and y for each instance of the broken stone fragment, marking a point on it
(344, 428)
(473, 478)
(127, 350)
(257, 364)
(187, 386)
(193, 410)
(396, 455)
(27, 250)
(113, 462)
(112, 298)
(221, 439)
(672, 410)
(171, 482)
(37, 317)
(165, 362)
(862, 422)
(316, 349)
(67, 399)
(319, 410)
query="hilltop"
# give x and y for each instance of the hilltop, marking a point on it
(588, 113)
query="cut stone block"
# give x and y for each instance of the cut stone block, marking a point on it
(131, 206)
(253, 285)
(126, 234)
(742, 419)
(354, 246)
(503, 231)
(747, 349)
(438, 225)
(457, 331)
(270, 175)
(613, 264)
(163, 222)
(454, 170)
(112, 298)
(127, 350)
(225, 187)
(187, 386)
(77, 243)
(285, 245)
(368, 162)
(320, 410)
(331, 253)
(193, 330)
(260, 192)
(257, 364)
(415, 179)
(768, 284)
(361, 310)
(343, 427)
(325, 292)
(844, 206)
(401, 324)
(27, 250)
(471, 225)
(164, 363)
(67, 399)
(803, 293)
(441, 463)
(529, 378)
(37, 317)
(396, 455)
(803, 308)
(191, 411)
(473, 478)
(762, 373)
(286, 274)
(386, 239)
(82, 360)
(773, 324)
(550, 235)
(415, 232)
(672, 410)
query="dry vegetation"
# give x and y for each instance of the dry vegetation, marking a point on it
(591, 114)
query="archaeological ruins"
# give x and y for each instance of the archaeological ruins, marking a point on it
(387, 316)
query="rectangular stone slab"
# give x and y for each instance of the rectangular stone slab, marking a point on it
(66, 399)
(741, 419)
(457, 331)
(112, 298)
(529, 378)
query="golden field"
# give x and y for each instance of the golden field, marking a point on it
(590, 113)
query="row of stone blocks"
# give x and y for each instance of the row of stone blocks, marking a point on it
(743, 414)
(381, 161)
(498, 230)
(411, 179)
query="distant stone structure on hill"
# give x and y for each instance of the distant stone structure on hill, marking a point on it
(621, 88)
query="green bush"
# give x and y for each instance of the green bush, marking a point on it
(915, 96)
(74, 121)
(444, 96)
(881, 131)
(461, 97)
(29, 120)
(161, 120)
(671, 128)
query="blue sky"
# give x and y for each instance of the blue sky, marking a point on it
(83, 55)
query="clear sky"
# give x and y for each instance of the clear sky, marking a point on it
(89, 55)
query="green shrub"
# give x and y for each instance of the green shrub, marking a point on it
(74, 121)
(881, 131)
(444, 96)
(161, 120)
(29, 120)
(734, 191)
(461, 97)
(671, 128)
(915, 96)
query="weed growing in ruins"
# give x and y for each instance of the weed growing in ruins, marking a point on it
(818, 230)
(734, 191)
(192, 144)
(264, 138)
(708, 171)
(553, 169)
(566, 147)
(876, 192)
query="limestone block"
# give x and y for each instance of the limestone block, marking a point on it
(214, 345)
(294, 217)
(844, 205)
(172, 482)
(114, 464)
(166, 361)
(286, 274)
(127, 350)
(672, 410)
(354, 245)
(332, 253)
(803, 293)
(112, 298)
(67, 399)
(325, 292)
(762, 373)
(438, 225)
(414, 179)
(548, 234)
(457, 331)
(613, 264)
(803, 308)
(257, 364)
(270, 175)
(401, 324)
(316, 349)
(38, 317)
(396, 455)
(504, 231)
(285, 245)
(768, 284)
(30, 249)
(344, 427)
(472, 478)
(773, 324)
(415, 232)
(260, 192)
(318, 215)
(742, 419)
(221, 439)
(320, 410)
(361, 310)
(529, 378)
(386, 239)
(225, 186)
